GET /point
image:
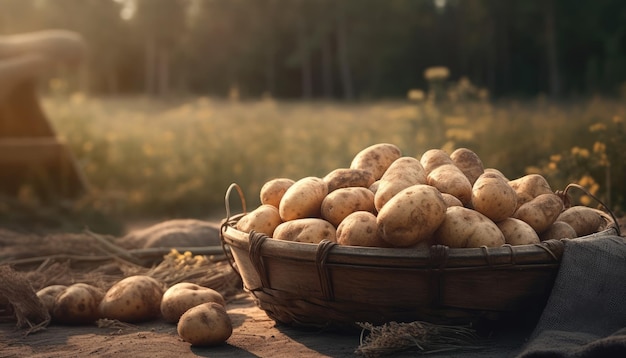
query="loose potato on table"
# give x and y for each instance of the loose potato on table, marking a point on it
(447, 178)
(376, 158)
(360, 229)
(411, 216)
(263, 219)
(207, 324)
(133, 299)
(469, 163)
(309, 230)
(347, 177)
(401, 174)
(463, 227)
(540, 212)
(273, 190)
(493, 197)
(557, 231)
(584, 220)
(342, 202)
(77, 304)
(303, 199)
(185, 295)
(517, 232)
(48, 295)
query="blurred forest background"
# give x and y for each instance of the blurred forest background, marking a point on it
(337, 49)
(177, 99)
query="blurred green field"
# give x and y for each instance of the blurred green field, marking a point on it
(152, 159)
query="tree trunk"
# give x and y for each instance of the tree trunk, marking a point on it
(150, 81)
(327, 68)
(305, 60)
(554, 77)
(343, 58)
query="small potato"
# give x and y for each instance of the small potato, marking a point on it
(401, 174)
(263, 219)
(529, 187)
(493, 197)
(411, 216)
(360, 229)
(48, 295)
(303, 199)
(451, 200)
(434, 158)
(272, 191)
(540, 212)
(207, 324)
(463, 227)
(77, 304)
(517, 232)
(469, 163)
(346, 177)
(185, 295)
(557, 231)
(376, 158)
(584, 220)
(374, 186)
(495, 171)
(342, 202)
(449, 179)
(133, 299)
(310, 230)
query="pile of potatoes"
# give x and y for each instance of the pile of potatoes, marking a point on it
(386, 199)
(199, 312)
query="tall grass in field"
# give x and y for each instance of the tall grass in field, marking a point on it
(176, 157)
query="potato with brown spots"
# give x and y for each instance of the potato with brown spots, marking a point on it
(342, 202)
(376, 158)
(469, 163)
(49, 294)
(584, 220)
(273, 190)
(493, 197)
(207, 324)
(411, 216)
(540, 212)
(185, 295)
(308, 230)
(557, 231)
(348, 177)
(77, 304)
(303, 199)
(133, 299)
(401, 174)
(529, 187)
(263, 219)
(517, 232)
(463, 227)
(451, 200)
(447, 178)
(360, 229)
(434, 158)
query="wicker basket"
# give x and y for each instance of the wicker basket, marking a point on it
(327, 285)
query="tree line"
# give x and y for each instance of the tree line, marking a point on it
(349, 49)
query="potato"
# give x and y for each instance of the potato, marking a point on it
(463, 227)
(517, 232)
(540, 212)
(263, 219)
(48, 295)
(496, 171)
(346, 177)
(133, 299)
(374, 186)
(469, 163)
(434, 158)
(401, 174)
(207, 324)
(493, 197)
(273, 190)
(447, 178)
(529, 187)
(376, 158)
(360, 229)
(584, 220)
(311, 230)
(557, 231)
(303, 199)
(411, 216)
(451, 200)
(77, 304)
(342, 202)
(185, 295)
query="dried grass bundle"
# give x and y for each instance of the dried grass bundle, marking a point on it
(424, 337)
(19, 302)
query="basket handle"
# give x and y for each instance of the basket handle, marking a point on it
(567, 202)
(226, 223)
